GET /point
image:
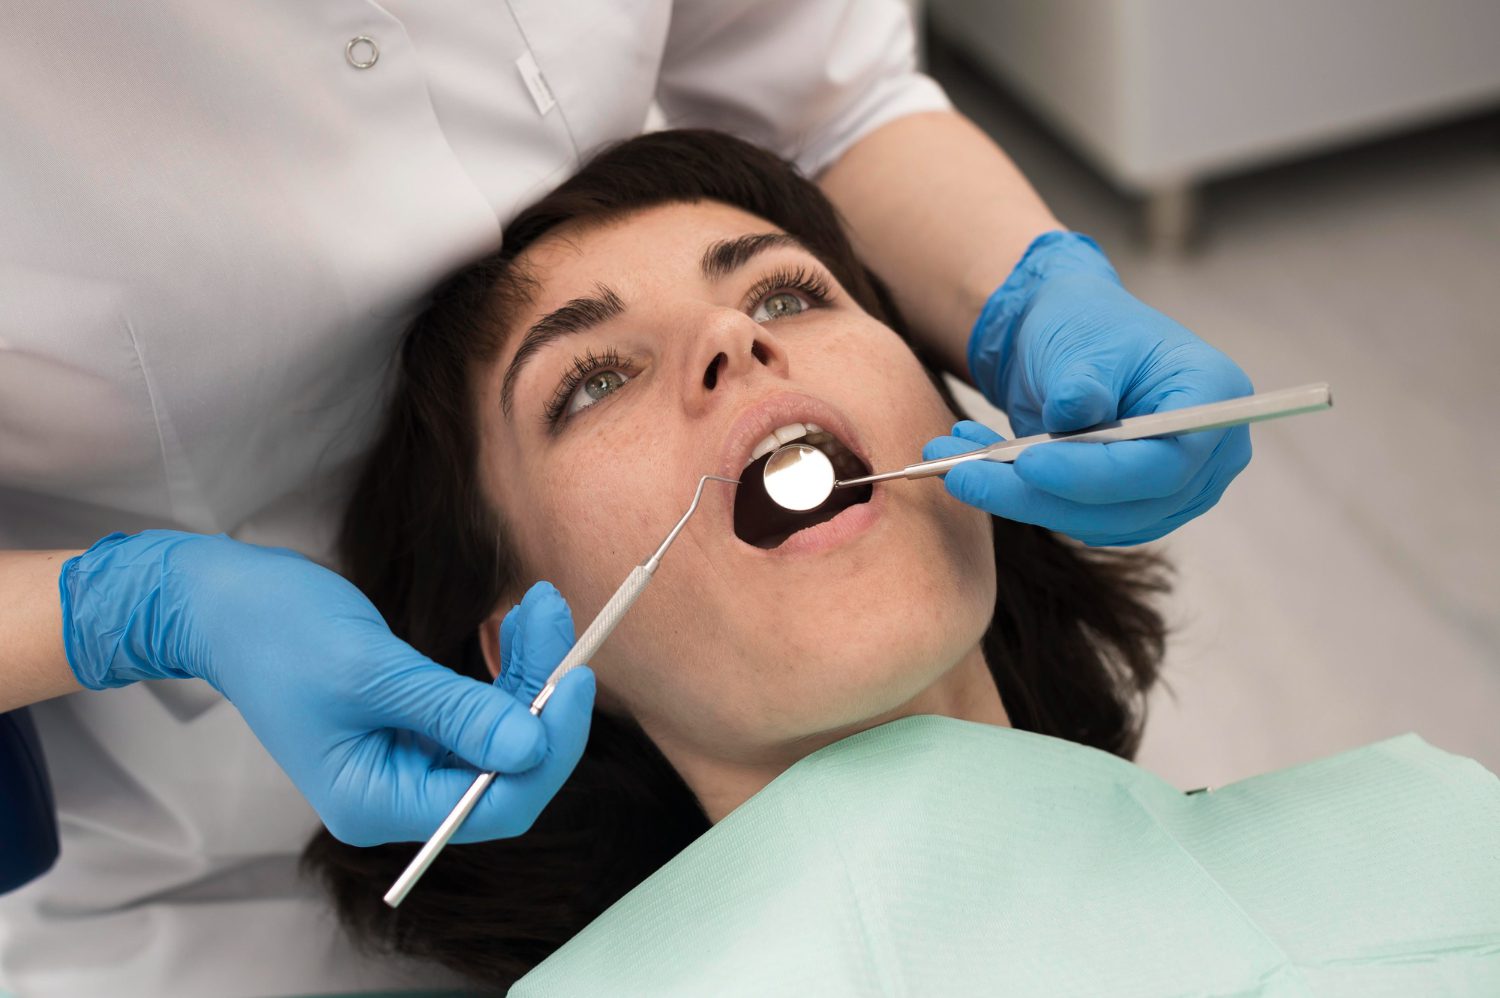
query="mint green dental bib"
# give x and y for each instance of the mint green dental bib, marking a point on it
(936, 857)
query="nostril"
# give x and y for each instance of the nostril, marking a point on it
(711, 376)
(759, 352)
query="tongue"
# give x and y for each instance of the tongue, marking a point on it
(758, 520)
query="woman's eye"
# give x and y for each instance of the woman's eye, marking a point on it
(779, 306)
(595, 387)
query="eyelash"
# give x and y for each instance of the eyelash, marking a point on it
(783, 279)
(789, 279)
(582, 367)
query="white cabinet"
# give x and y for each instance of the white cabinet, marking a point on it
(1161, 94)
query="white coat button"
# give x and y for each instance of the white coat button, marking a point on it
(362, 52)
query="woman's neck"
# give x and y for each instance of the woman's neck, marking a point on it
(967, 691)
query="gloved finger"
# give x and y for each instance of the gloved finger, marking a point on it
(393, 786)
(420, 784)
(1109, 473)
(999, 491)
(1230, 458)
(485, 726)
(1140, 522)
(967, 435)
(993, 486)
(1077, 396)
(513, 802)
(542, 636)
(975, 433)
(1212, 378)
(508, 624)
(1154, 529)
(1140, 469)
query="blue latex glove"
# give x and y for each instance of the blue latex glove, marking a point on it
(361, 722)
(1061, 345)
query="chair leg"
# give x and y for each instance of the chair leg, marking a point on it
(1171, 218)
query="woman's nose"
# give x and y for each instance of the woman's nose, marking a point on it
(730, 349)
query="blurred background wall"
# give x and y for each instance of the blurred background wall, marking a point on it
(1314, 187)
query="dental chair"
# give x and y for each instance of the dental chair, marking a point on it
(28, 815)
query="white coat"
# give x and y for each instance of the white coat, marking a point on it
(215, 221)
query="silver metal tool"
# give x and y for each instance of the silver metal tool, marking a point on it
(805, 485)
(583, 649)
(798, 477)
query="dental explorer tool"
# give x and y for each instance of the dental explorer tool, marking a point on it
(797, 480)
(583, 649)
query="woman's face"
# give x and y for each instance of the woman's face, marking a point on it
(699, 341)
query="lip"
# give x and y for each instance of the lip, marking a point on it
(756, 422)
(751, 427)
(843, 528)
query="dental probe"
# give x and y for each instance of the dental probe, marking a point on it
(1193, 419)
(583, 649)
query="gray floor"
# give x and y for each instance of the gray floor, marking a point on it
(1347, 588)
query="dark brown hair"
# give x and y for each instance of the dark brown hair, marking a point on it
(1073, 645)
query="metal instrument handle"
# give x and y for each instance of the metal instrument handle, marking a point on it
(598, 630)
(430, 849)
(1192, 419)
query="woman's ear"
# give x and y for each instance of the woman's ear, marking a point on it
(489, 637)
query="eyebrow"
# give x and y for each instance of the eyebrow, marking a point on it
(719, 260)
(728, 255)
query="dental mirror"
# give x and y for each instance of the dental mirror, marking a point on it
(799, 477)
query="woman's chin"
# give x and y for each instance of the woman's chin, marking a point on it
(869, 698)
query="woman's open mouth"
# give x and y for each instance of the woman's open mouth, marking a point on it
(760, 521)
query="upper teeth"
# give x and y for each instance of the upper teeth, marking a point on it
(779, 436)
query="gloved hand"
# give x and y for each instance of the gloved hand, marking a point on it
(360, 721)
(1061, 345)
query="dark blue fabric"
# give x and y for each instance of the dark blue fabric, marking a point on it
(28, 816)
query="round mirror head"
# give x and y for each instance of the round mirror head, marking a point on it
(799, 477)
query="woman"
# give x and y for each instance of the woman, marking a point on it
(739, 660)
(679, 301)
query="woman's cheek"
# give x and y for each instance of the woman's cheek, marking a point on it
(605, 512)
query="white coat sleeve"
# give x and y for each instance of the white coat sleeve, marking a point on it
(804, 78)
